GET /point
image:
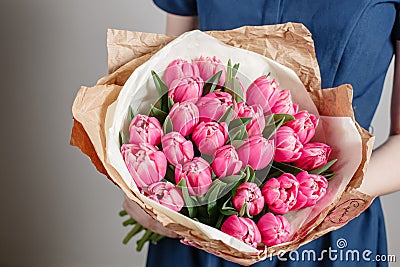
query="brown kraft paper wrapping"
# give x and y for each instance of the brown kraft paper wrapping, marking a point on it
(289, 44)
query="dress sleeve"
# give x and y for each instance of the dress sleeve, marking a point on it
(178, 7)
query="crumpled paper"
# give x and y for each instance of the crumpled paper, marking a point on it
(289, 44)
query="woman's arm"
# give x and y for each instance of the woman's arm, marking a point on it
(177, 25)
(383, 175)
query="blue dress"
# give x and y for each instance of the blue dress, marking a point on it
(354, 42)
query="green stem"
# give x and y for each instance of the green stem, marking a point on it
(155, 238)
(123, 213)
(133, 232)
(129, 222)
(140, 243)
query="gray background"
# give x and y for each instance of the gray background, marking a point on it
(55, 209)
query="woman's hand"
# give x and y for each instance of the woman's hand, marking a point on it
(137, 213)
(382, 176)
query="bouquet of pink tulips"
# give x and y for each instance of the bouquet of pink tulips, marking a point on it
(235, 161)
(233, 158)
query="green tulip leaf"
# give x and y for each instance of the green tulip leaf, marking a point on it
(227, 208)
(162, 90)
(286, 117)
(323, 168)
(287, 167)
(231, 71)
(228, 75)
(239, 122)
(189, 201)
(271, 128)
(170, 103)
(243, 210)
(234, 88)
(250, 174)
(227, 117)
(168, 126)
(211, 83)
(235, 69)
(122, 139)
(131, 114)
(158, 114)
(328, 174)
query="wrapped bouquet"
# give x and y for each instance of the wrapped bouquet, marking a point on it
(234, 158)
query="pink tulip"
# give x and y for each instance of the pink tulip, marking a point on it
(214, 105)
(209, 66)
(243, 229)
(250, 194)
(256, 152)
(166, 194)
(312, 187)
(144, 129)
(226, 162)
(257, 124)
(209, 136)
(264, 92)
(274, 229)
(304, 126)
(176, 148)
(184, 117)
(313, 156)
(288, 145)
(178, 69)
(186, 89)
(145, 163)
(284, 104)
(197, 174)
(281, 193)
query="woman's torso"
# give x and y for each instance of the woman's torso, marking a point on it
(353, 38)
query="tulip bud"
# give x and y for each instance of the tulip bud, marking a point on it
(184, 117)
(284, 104)
(176, 148)
(178, 69)
(186, 89)
(145, 163)
(274, 230)
(144, 129)
(214, 105)
(304, 125)
(243, 229)
(281, 193)
(249, 194)
(257, 124)
(312, 187)
(166, 194)
(256, 152)
(197, 174)
(226, 162)
(209, 66)
(209, 136)
(288, 145)
(264, 92)
(313, 156)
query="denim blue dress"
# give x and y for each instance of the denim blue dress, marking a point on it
(354, 43)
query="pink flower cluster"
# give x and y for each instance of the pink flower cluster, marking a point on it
(198, 132)
(280, 195)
